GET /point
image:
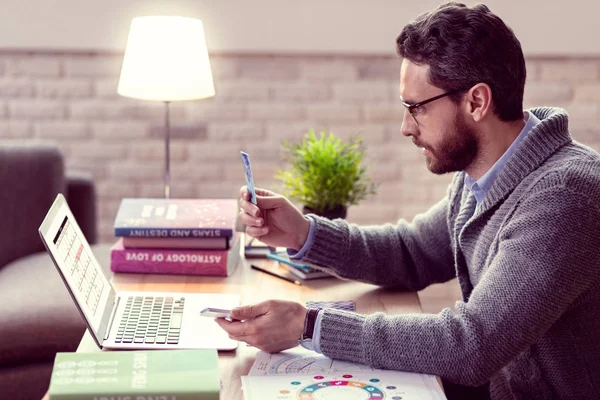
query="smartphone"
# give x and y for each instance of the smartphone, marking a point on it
(216, 313)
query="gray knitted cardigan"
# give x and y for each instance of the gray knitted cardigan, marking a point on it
(528, 263)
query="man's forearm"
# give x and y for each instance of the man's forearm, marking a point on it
(407, 255)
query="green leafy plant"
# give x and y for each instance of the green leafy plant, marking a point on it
(325, 173)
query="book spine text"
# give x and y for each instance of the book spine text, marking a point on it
(173, 232)
(212, 263)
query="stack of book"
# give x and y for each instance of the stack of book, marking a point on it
(176, 236)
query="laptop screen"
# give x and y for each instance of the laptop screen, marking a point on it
(79, 268)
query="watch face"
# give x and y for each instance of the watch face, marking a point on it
(307, 344)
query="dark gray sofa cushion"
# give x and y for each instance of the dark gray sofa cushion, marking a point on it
(81, 196)
(31, 177)
(25, 381)
(37, 315)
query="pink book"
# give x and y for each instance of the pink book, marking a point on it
(218, 243)
(175, 261)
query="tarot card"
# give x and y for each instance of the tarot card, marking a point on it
(248, 176)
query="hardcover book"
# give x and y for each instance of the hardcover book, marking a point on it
(217, 243)
(302, 271)
(306, 273)
(176, 218)
(133, 375)
(256, 249)
(176, 261)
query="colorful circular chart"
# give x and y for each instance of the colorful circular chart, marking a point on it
(340, 390)
(302, 375)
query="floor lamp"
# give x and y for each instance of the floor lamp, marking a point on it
(166, 60)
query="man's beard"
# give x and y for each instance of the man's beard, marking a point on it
(456, 151)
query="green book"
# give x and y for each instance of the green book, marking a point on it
(136, 375)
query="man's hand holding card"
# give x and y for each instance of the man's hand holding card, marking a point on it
(277, 223)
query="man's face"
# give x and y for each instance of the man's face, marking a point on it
(439, 127)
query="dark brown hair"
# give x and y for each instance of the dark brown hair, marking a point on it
(464, 46)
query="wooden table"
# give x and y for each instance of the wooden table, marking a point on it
(254, 286)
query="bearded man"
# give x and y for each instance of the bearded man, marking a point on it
(519, 227)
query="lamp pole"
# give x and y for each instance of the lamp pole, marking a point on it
(167, 139)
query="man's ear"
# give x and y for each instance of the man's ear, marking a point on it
(479, 101)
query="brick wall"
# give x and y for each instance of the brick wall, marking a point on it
(71, 100)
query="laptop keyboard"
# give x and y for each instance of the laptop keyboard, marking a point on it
(151, 320)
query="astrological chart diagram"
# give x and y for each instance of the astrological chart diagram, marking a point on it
(313, 364)
(299, 374)
(363, 386)
(300, 361)
(84, 276)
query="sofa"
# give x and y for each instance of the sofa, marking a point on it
(37, 316)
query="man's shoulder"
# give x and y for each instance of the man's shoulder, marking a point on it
(574, 167)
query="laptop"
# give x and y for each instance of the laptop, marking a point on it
(128, 320)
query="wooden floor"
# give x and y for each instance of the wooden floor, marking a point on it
(437, 297)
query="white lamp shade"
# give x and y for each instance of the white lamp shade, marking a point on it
(166, 59)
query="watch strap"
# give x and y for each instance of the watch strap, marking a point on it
(309, 323)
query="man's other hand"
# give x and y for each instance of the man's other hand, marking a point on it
(271, 326)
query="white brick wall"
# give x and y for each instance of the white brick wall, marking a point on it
(372, 134)
(275, 111)
(268, 68)
(15, 129)
(324, 70)
(154, 149)
(554, 93)
(16, 87)
(121, 129)
(570, 70)
(211, 110)
(62, 130)
(236, 131)
(98, 151)
(106, 87)
(64, 88)
(36, 109)
(277, 132)
(300, 91)
(92, 66)
(33, 66)
(362, 92)
(242, 90)
(333, 112)
(71, 100)
(386, 112)
(587, 92)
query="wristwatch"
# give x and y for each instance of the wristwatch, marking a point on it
(309, 327)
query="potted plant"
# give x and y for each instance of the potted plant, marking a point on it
(325, 174)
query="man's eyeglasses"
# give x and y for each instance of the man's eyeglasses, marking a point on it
(417, 108)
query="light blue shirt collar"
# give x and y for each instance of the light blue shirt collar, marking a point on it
(481, 186)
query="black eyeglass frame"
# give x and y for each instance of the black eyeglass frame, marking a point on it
(412, 107)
